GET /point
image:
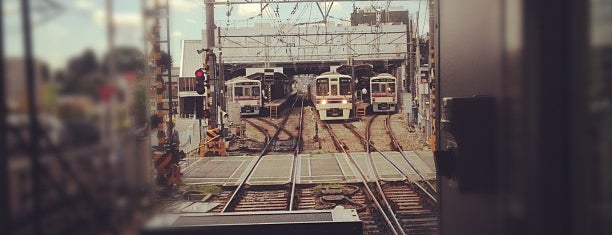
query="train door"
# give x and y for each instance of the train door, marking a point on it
(333, 88)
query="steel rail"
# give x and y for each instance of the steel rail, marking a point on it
(375, 171)
(276, 126)
(370, 144)
(295, 157)
(399, 148)
(250, 170)
(363, 181)
(260, 129)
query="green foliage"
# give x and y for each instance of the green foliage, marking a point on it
(319, 151)
(205, 188)
(127, 59)
(166, 61)
(80, 76)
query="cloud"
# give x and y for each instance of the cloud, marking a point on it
(248, 10)
(58, 30)
(186, 5)
(337, 6)
(10, 8)
(120, 18)
(84, 4)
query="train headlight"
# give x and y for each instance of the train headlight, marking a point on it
(323, 101)
(344, 101)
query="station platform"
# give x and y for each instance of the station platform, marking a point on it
(311, 169)
(273, 106)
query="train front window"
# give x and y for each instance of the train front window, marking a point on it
(322, 86)
(237, 91)
(247, 91)
(375, 87)
(345, 86)
(391, 87)
(255, 91)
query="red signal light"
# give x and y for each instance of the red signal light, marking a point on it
(199, 73)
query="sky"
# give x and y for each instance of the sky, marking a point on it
(65, 31)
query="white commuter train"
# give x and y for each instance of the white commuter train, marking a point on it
(383, 93)
(246, 92)
(331, 95)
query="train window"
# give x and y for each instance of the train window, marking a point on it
(247, 91)
(255, 91)
(376, 88)
(334, 89)
(345, 86)
(391, 87)
(237, 91)
(322, 86)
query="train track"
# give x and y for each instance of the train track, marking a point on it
(410, 207)
(262, 130)
(415, 205)
(395, 207)
(264, 198)
(348, 139)
(378, 206)
(287, 133)
(379, 134)
(398, 147)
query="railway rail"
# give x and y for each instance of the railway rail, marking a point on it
(389, 223)
(248, 198)
(287, 133)
(413, 204)
(398, 147)
(385, 207)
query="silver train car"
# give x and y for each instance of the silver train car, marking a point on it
(246, 92)
(331, 95)
(383, 93)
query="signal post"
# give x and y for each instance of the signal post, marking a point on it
(208, 83)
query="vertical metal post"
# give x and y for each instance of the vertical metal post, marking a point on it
(210, 44)
(4, 180)
(210, 24)
(221, 79)
(221, 70)
(170, 108)
(352, 60)
(34, 128)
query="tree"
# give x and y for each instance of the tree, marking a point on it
(81, 75)
(166, 61)
(83, 65)
(127, 59)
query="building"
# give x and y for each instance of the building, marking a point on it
(371, 16)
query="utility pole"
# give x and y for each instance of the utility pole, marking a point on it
(170, 108)
(210, 56)
(214, 134)
(4, 179)
(34, 129)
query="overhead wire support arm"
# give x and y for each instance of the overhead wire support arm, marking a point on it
(235, 2)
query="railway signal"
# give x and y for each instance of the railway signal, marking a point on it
(201, 81)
